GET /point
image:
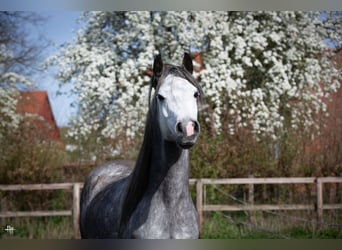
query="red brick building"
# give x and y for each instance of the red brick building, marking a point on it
(37, 102)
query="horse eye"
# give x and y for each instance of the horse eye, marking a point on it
(161, 98)
(196, 95)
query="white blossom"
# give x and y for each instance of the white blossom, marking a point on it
(257, 65)
(9, 93)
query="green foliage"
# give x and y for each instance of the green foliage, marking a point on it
(239, 155)
(29, 157)
(220, 225)
(217, 228)
(97, 149)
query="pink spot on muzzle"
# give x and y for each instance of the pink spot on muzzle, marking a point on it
(190, 129)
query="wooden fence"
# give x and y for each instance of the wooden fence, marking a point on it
(318, 206)
(200, 184)
(74, 212)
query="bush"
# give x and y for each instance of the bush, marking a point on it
(27, 157)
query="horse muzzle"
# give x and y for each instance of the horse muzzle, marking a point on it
(187, 133)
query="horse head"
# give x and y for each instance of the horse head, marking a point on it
(176, 96)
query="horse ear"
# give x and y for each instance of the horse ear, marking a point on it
(187, 63)
(157, 66)
(157, 70)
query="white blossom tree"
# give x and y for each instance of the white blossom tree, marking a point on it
(18, 56)
(264, 70)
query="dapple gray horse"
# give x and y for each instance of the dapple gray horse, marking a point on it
(152, 199)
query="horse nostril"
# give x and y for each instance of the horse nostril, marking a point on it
(196, 127)
(191, 128)
(179, 128)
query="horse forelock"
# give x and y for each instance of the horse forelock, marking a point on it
(178, 71)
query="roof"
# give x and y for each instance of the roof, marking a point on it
(37, 102)
(199, 66)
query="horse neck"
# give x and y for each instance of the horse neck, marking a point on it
(169, 168)
(160, 165)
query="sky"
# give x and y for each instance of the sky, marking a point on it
(59, 27)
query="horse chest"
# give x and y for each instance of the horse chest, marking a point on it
(164, 221)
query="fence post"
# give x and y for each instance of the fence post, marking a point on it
(319, 193)
(199, 203)
(76, 210)
(251, 200)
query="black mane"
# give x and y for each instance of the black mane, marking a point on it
(139, 178)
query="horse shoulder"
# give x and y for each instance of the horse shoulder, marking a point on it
(103, 186)
(103, 176)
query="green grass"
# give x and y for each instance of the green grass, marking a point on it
(221, 225)
(38, 228)
(217, 225)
